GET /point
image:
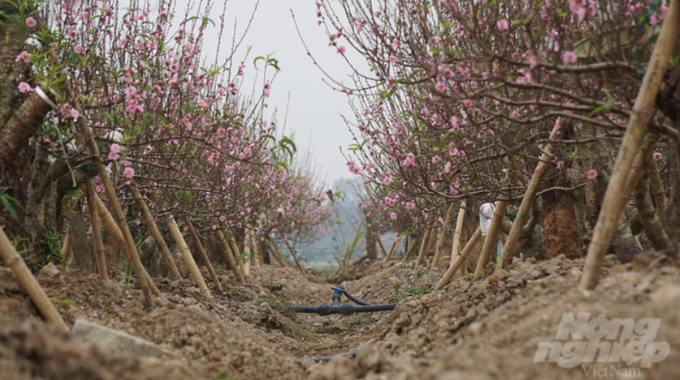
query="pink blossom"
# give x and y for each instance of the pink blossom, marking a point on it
(467, 102)
(393, 59)
(364, 111)
(657, 156)
(25, 87)
(389, 201)
(202, 103)
(592, 173)
(75, 114)
(386, 181)
(31, 22)
(569, 57)
(395, 44)
(23, 57)
(341, 50)
(393, 216)
(533, 61)
(78, 49)
(441, 87)
(447, 167)
(502, 24)
(128, 172)
(113, 152)
(434, 41)
(410, 206)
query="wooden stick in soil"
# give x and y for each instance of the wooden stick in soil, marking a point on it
(610, 213)
(424, 245)
(442, 238)
(246, 264)
(460, 259)
(410, 250)
(393, 249)
(29, 283)
(525, 208)
(382, 246)
(66, 249)
(115, 232)
(230, 258)
(275, 253)
(173, 272)
(96, 230)
(186, 254)
(84, 133)
(459, 229)
(491, 241)
(337, 258)
(292, 252)
(202, 254)
(236, 251)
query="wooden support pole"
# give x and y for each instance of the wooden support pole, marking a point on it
(610, 212)
(66, 249)
(393, 249)
(459, 230)
(425, 245)
(460, 259)
(115, 232)
(29, 283)
(442, 237)
(491, 241)
(186, 254)
(96, 230)
(230, 258)
(275, 253)
(411, 249)
(246, 248)
(173, 272)
(292, 252)
(337, 258)
(382, 246)
(525, 208)
(202, 254)
(236, 251)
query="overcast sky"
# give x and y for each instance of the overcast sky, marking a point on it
(315, 109)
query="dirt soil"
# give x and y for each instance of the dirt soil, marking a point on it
(485, 329)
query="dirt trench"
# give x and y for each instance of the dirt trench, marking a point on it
(490, 328)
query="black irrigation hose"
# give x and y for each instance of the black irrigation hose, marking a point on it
(345, 309)
(335, 307)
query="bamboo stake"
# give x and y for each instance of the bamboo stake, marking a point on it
(491, 240)
(173, 272)
(442, 237)
(460, 259)
(202, 254)
(410, 250)
(382, 246)
(393, 249)
(337, 258)
(29, 283)
(463, 242)
(84, 132)
(66, 249)
(113, 229)
(246, 243)
(236, 251)
(424, 245)
(230, 258)
(255, 256)
(459, 229)
(525, 208)
(96, 230)
(186, 254)
(292, 252)
(275, 253)
(610, 212)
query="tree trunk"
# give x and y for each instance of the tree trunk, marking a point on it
(560, 232)
(651, 222)
(81, 255)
